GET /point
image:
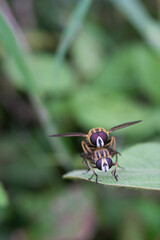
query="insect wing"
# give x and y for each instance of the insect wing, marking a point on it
(71, 134)
(123, 125)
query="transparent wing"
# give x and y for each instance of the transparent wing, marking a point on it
(71, 134)
(123, 125)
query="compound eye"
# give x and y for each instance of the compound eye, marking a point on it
(102, 164)
(109, 161)
(104, 136)
(99, 164)
(93, 138)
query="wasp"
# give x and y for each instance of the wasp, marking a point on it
(102, 159)
(97, 137)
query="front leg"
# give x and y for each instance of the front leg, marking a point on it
(112, 143)
(113, 152)
(85, 148)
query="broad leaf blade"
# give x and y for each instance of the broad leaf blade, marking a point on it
(142, 169)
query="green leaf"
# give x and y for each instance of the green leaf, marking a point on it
(142, 169)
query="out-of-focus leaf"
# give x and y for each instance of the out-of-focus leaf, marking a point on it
(144, 210)
(146, 67)
(12, 45)
(42, 67)
(116, 74)
(133, 68)
(95, 109)
(131, 228)
(3, 197)
(137, 14)
(70, 32)
(142, 169)
(149, 211)
(25, 163)
(88, 50)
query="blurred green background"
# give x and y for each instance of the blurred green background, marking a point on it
(71, 65)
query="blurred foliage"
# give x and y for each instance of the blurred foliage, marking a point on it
(42, 67)
(3, 197)
(86, 64)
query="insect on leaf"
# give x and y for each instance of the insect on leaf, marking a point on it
(141, 169)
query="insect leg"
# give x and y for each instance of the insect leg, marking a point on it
(114, 170)
(84, 160)
(94, 173)
(117, 161)
(85, 154)
(88, 154)
(120, 167)
(113, 143)
(86, 171)
(85, 147)
(113, 152)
